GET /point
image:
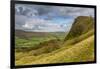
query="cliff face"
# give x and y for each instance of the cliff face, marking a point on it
(81, 25)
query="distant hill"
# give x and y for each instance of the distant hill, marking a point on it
(25, 34)
(81, 25)
(28, 34)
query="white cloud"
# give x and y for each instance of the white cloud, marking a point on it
(27, 26)
(40, 25)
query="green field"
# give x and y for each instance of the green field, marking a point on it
(34, 42)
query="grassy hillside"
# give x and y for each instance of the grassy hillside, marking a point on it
(78, 46)
(81, 51)
(72, 54)
(81, 25)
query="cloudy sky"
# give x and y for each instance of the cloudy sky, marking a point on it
(41, 18)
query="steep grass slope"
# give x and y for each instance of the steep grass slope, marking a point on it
(79, 52)
(81, 25)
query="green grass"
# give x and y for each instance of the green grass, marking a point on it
(80, 38)
(67, 53)
(33, 41)
(25, 45)
(81, 25)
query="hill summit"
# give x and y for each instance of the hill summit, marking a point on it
(81, 25)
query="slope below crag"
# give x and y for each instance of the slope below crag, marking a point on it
(78, 46)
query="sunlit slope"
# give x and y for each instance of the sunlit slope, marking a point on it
(81, 51)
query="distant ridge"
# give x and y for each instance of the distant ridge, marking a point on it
(29, 34)
(25, 34)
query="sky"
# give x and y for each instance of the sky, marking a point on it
(45, 18)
